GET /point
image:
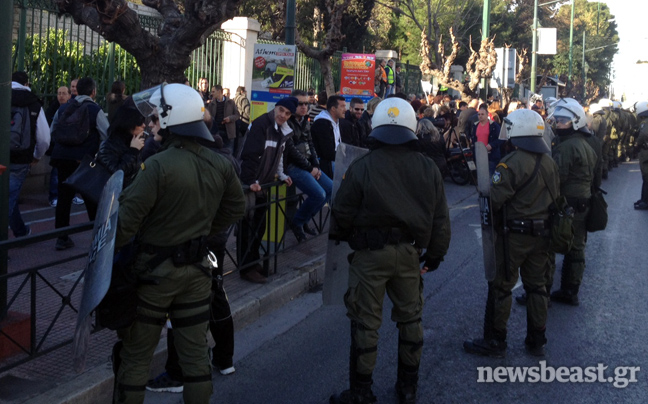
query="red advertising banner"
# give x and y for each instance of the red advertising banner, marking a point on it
(357, 76)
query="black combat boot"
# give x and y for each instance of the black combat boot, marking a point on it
(535, 341)
(359, 393)
(566, 296)
(492, 348)
(494, 342)
(406, 384)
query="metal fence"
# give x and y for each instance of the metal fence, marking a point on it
(49, 292)
(53, 50)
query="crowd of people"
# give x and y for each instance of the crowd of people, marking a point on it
(189, 154)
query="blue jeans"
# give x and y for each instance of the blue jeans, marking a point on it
(318, 192)
(18, 173)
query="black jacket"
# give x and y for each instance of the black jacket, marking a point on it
(300, 150)
(364, 128)
(261, 151)
(115, 155)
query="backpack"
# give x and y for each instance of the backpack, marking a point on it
(73, 126)
(20, 128)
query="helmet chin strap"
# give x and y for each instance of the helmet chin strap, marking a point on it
(165, 107)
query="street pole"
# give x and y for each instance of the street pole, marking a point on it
(6, 26)
(571, 44)
(485, 35)
(534, 47)
(290, 22)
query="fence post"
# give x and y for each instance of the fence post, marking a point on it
(22, 34)
(6, 28)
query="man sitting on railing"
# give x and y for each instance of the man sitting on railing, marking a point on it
(261, 161)
(303, 168)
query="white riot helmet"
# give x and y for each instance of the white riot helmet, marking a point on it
(616, 105)
(551, 105)
(569, 110)
(595, 109)
(177, 106)
(550, 100)
(642, 109)
(605, 103)
(629, 105)
(525, 129)
(394, 121)
(535, 98)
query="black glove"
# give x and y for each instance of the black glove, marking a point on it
(431, 264)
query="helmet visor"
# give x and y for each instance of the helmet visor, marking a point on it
(147, 101)
(506, 129)
(561, 116)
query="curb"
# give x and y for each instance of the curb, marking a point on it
(96, 384)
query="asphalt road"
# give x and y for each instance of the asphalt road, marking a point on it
(299, 354)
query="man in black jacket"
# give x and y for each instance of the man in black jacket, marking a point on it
(303, 168)
(261, 161)
(66, 158)
(326, 132)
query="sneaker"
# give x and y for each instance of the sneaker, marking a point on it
(64, 243)
(78, 200)
(641, 206)
(491, 348)
(299, 233)
(53, 202)
(164, 383)
(227, 371)
(309, 230)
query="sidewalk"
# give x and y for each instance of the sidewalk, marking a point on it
(51, 378)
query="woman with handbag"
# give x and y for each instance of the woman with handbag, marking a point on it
(121, 151)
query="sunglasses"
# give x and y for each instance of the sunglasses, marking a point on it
(358, 109)
(302, 104)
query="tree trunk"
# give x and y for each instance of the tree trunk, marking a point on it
(327, 72)
(161, 56)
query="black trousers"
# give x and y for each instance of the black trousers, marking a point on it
(253, 227)
(66, 194)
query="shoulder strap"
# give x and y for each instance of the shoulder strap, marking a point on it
(533, 175)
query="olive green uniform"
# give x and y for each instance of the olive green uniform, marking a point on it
(393, 202)
(527, 197)
(599, 129)
(641, 144)
(576, 162)
(609, 145)
(181, 194)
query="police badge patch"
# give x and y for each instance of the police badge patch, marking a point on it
(497, 177)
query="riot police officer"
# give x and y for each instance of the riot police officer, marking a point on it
(181, 195)
(391, 204)
(641, 146)
(577, 163)
(523, 186)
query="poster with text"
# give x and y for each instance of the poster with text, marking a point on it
(357, 76)
(273, 76)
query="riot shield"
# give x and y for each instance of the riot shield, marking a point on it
(485, 211)
(336, 274)
(99, 266)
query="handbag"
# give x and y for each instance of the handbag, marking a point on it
(597, 217)
(89, 179)
(561, 223)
